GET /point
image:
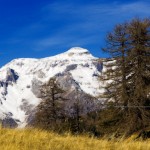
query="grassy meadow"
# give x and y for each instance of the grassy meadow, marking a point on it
(33, 139)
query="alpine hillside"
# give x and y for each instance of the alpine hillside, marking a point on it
(76, 70)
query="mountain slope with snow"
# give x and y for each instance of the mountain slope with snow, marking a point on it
(20, 79)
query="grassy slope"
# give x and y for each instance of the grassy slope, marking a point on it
(32, 139)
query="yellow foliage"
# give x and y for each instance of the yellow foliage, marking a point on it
(34, 139)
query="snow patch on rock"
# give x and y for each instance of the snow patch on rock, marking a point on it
(20, 80)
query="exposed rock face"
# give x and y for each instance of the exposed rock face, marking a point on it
(86, 102)
(3, 86)
(9, 123)
(28, 108)
(71, 67)
(67, 82)
(76, 70)
(11, 76)
(75, 94)
(36, 87)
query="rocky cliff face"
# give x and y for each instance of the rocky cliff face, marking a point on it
(76, 71)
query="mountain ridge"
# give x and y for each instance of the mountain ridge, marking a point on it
(20, 79)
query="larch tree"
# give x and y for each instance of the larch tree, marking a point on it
(50, 112)
(116, 66)
(127, 73)
(139, 78)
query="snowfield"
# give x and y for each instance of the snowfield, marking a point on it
(20, 77)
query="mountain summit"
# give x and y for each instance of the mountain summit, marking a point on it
(77, 50)
(21, 78)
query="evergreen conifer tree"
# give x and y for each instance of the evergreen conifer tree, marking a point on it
(127, 73)
(139, 78)
(50, 112)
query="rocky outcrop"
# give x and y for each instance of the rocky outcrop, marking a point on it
(9, 123)
(67, 82)
(71, 67)
(76, 70)
(11, 76)
(36, 87)
(74, 94)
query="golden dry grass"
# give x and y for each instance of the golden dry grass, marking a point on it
(33, 139)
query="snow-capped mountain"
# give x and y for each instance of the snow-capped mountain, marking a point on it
(20, 79)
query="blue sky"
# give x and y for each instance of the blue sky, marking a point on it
(41, 28)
